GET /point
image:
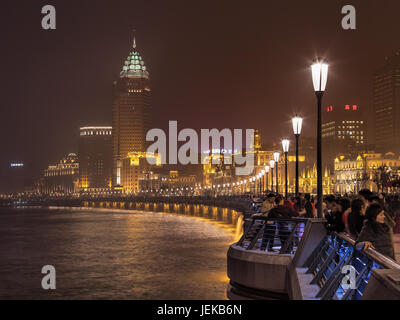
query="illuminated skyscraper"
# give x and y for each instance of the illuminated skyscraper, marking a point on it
(343, 132)
(131, 111)
(387, 106)
(95, 158)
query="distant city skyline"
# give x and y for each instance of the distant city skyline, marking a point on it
(216, 74)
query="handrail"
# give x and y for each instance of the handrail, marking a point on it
(275, 235)
(242, 204)
(372, 254)
(293, 219)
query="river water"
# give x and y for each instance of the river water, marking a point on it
(100, 254)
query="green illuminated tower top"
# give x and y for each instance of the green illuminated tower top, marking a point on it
(134, 66)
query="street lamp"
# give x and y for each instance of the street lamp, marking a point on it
(262, 181)
(266, 177)
(276, 158)
(272, 165)
(319, 71)
(256, 183)
(285, 147)
(297, 122)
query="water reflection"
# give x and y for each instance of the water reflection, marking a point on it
(122, 254)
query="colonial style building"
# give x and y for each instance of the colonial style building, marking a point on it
(172, 184)
(62, 178)
(369, 170)
(308, 181)
(134, 166)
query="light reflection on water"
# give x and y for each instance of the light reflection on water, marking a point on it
(100, 254)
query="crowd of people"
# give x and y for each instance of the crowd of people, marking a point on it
(368, 218)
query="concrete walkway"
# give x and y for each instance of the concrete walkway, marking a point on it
(396, 239)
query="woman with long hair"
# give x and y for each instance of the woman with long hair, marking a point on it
(375, 233)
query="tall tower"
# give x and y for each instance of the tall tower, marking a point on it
(387, 106)
(131, 111)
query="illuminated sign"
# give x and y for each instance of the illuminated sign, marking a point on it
(353, 107)
(12, 165)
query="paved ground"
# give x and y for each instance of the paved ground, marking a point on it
(396, 239)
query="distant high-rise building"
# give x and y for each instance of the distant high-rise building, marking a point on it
(131, 111)
(95, 158)
(14, 180)
(386, 102)
(343, 131)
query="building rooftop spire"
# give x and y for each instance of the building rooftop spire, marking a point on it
(134, 66)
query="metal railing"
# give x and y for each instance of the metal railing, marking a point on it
(328, 259)
(273, 235)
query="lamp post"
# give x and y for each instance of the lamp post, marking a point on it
(297, 122)
(257, 182)
(285, 147)
(272, 165)
(266, 177)
(276, 158)
(262, 181)
(319, 71)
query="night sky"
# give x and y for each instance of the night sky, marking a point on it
(223, 64)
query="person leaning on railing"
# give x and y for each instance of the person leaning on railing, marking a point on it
(376, 232)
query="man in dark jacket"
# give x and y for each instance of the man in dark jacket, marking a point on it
(282, 212)
(333, 215)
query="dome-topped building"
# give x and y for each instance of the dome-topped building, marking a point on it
(134, 66)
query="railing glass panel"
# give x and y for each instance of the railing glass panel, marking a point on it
(331, 258)
(273, 235)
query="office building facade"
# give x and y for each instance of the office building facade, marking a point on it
(95, 158)
(386, 104)
(344, 131)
